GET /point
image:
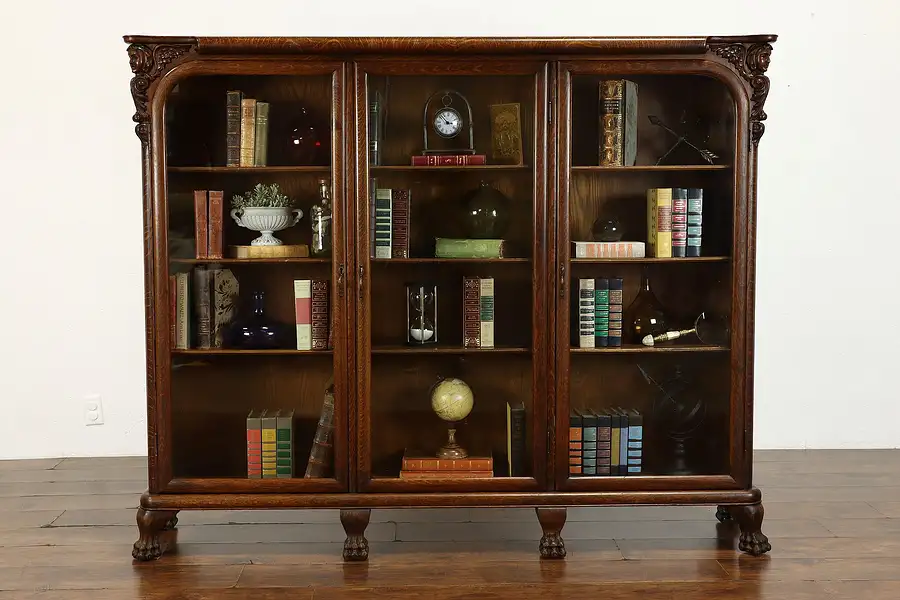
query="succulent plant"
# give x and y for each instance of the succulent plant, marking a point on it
(262, 196)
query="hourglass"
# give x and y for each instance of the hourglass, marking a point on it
(421, 314)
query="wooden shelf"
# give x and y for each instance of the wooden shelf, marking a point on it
(651, 168)
(390, 168)
(248, 261)
(448, 350)
(234, 351)
(686, 259)
(447, 260)
(289, 169)
(641, 349)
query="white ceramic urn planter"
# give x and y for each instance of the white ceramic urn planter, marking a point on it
(266, 220)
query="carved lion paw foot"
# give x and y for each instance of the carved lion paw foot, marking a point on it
(722, 514)
(356, 548)
(552, 546)
(146, 550)
(754, 543)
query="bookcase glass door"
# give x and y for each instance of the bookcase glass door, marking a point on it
(451, 206)
(258, 386)
(639, 263)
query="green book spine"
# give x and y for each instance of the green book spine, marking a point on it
(601, 313)
(284, 446)
(260, 155)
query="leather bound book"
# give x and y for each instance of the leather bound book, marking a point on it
(604, 443)
(616, 285)
(320, 454)
(201, 224)
(615, 438)
(426, 463)
(601, 312)
(589, 443)
(303, 313)
(679, 222)
(216, 245)
(261, 135)
(284, 445)
(269, 445)
(486, 314)
(694, 221)
(254, 445)
(635, 442)
(625, 424)
(319, 316)
(515, 438)
(618, 123)
(609, 249)
(203, 307)
(586, 303)
(471, 312)
(383, 219)
(659, 222)
(448, 160)
(233, 128)
(446, 474)
(400, 223)
(248, 131)
(225, 292)
(182, 311)
(575, 443)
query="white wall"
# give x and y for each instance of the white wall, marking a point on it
(71, 306)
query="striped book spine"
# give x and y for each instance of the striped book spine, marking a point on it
(471, 312)
(635, 442)
(694, 221)
(254, 445)
(679, 222)
(201, 224)
(586, 313)
(601, 312)
(400, 224)
(575, 443)
(284, 445)
(319, 314)
(604, 443)
(589, 444)
(486, 312)
(269, 445)
(616, 285)
(659, 222)
(383, 228)
(303, 313)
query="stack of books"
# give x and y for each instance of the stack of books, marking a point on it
(208, 208)
(313, 314)
(270, 444)
(417, 466)
(247, 131)
(609, 442)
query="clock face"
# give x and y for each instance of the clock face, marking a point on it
(447, 123)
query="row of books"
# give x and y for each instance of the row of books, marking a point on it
(312, 314)
(600, 312)
(610, 442)
(246, 131)
(208, 210)
(674, 222)
(478, 312)
(201, 310)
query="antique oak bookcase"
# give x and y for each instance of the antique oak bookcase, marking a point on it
(696, 397)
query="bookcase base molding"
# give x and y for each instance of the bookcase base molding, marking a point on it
(158, 513)
(458, 272)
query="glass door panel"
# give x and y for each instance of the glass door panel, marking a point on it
(256, 347)
(645, 241)
(452, 199)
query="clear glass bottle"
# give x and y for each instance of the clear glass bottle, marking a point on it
(320, 217)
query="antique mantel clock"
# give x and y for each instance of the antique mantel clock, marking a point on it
(447, 114)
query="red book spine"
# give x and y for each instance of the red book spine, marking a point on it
(448, 160)
(254, 453)
(319, 309)
(446, 474)
(201, 224)
(448, 464)
(400, 224)
(216, 200)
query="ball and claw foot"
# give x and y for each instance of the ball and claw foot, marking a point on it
(754, 543)
(552, 546)
(356, 546)
(151, 523)
(552, 521)
(722, 514)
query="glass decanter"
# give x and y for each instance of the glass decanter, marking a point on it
(320, 217)
(645, 316)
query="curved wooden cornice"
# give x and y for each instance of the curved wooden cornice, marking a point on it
(751, 60)
(448, 45)
(150, 60)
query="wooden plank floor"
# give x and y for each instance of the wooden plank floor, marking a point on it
(833, 517)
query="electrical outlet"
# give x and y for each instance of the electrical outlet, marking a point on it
(93, 410)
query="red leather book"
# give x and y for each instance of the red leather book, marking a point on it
(201, 224)
(472, 312)
(254, 445)
(320, 314)
(400, 224)
(446, 474)
(448, 160)
(216, 246)
(414, 463)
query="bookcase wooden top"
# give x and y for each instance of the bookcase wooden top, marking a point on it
(454, 45)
